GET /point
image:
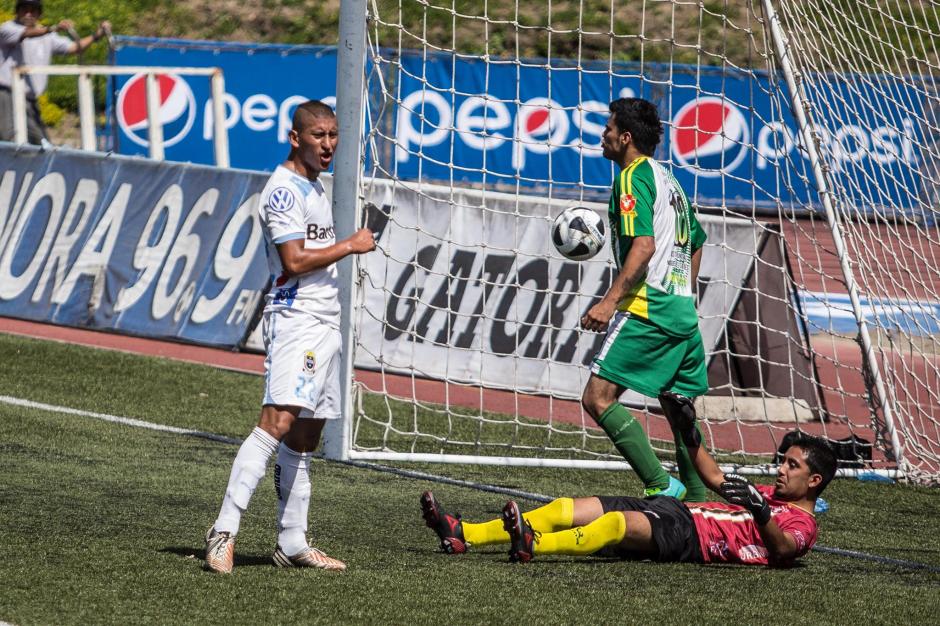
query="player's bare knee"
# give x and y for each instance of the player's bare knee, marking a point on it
(586, 510)
(276, 422)
(587, 403)
(304, 435)
(593, 402)
(638, 534)
(599, 395)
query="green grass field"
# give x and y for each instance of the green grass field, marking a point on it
(103, 523)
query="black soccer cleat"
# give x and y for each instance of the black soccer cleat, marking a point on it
(448, 527)
(520, 533)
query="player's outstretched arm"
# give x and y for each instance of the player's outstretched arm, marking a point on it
(738, 490)
(298, 260)
(680, 412)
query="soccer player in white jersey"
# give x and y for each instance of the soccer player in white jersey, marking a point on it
(302, 341)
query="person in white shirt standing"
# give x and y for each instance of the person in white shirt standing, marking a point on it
(302, 342)
(24, 41)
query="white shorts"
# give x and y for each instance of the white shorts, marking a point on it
(302, 366)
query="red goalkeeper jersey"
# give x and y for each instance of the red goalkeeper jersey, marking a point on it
(727, 533)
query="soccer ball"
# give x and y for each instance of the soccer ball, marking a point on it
(578, 233)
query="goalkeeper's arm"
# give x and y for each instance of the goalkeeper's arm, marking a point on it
(736, 489)
(680, 412)
(781, 546)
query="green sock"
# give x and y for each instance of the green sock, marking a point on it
(695, 488)
(628, 437)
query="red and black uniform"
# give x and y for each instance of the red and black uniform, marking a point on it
(715, 532)
(727, 533)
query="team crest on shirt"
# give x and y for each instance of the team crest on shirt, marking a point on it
(281, 199)
(310, 361)
(627, 202)
(718, 548)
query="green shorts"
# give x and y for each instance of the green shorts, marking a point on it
(639, 356)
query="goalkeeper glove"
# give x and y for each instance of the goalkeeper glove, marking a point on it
(680, 412)
(738, 490)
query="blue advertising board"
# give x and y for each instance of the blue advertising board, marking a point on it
(263, 85)
(117, 243)
(730, 143)
(537, 126)
(832, 313)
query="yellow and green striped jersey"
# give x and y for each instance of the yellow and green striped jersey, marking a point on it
(646, 201)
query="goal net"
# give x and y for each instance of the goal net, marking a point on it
(806, 135)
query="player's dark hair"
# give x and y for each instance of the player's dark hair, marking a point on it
(310, 108)
(819, 456)
(640, 118)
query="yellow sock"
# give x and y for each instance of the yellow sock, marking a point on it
(607, 530)
(553, 516)
(486, 533)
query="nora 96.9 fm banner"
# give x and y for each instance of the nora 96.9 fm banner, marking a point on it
(154, 249)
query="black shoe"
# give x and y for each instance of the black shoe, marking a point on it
(520, 533)
(448, 527)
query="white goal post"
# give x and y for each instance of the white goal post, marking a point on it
(805, 133)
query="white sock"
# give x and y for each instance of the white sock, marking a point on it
(249, 467)
(292, 483)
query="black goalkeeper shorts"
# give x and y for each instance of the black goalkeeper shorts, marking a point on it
(672, 524)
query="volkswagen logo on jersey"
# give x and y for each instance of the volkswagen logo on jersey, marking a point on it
(709, 135)
(281, 199)
(177, 110)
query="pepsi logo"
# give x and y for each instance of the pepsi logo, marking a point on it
(541, 122)
(709, 135)
(537, 123)
(176, 112)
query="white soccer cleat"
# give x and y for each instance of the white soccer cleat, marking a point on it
(220, 552)
(310, 557)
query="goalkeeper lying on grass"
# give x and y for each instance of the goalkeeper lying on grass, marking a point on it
(759, 525)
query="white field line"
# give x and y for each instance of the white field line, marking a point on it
(116, 419)
(130, 421)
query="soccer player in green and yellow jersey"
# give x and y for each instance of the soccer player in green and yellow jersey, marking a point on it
(653, 345)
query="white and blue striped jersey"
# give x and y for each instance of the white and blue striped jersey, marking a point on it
(292, 207)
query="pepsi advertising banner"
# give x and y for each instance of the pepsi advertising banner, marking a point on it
(728, 140)
(729, 134)
(263, 85)
(160, 250)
